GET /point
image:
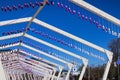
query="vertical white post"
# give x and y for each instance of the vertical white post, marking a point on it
(21, 76)
(24, 76)
(37, 77)
(49, 77)
(110, 56)
(83, 70)
(68, 73)
(60, 68)
(7, 76)
(34, 77)
(2, 74)
(11, 76)
(31, 76)
(18, 75)
(45, 78)
(28, 76)
(14, 76)
(54, 71)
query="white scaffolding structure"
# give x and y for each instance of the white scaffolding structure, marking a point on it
(50, 45)
(55, 29)
(41, 23)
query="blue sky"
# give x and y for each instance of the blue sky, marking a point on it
(66, 21)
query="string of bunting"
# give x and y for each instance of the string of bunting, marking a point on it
(86, 18)
(67, 9)
(40, 48)
(10, 43)
(10, 63)
(46, 51)
(53, 38)
(25, 5)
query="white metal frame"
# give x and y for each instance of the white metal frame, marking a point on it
(41, 52)
(41, 63)
(18, 70)
(17, 67)
(60, 67)
(57, 65)
(41, 23)
(107, 52)
(85, 61)
(43, 66)
(97, 11)
(38, 67)
(2, 73)
(90, 8)
(108, 17)
(39, 70)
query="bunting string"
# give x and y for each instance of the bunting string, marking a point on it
(68, 9)
(38, 47)
(53, 38)
(13, 69)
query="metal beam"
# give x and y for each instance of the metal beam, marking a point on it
(39, 58)
(2, 73)
(64, 33)
(15, 21)
(41, 52)
(55, 47)
(85, 62)
(107, 52)
(10, 36)
(41, 63)
(8, 46)
(97, 11)
(36, 65)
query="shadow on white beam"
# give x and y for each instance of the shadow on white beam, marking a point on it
(97, 11)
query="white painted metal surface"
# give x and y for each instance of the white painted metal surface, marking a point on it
(41, 23)
(39, 62)
(17, 66)
(57, 48)
(2, 73)
(97, 11)
(33, 49)
(107, 52)
(15, 21)
(39, 58)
